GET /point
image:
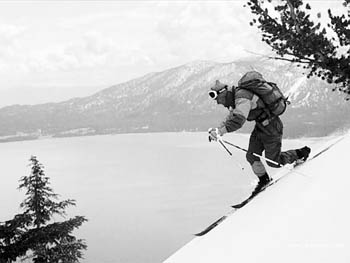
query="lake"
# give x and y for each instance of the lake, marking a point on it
(145, 195)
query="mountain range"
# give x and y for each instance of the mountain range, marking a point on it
(177, 100)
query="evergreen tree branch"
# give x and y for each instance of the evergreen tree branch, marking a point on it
(305, 42)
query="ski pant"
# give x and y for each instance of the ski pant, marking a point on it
(269, 139)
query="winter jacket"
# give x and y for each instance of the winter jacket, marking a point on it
(248, 106)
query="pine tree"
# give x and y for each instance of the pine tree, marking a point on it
(11, 231)
(34, 232)
(296, 38)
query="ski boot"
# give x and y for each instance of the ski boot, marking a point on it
(303, 153)
(264, 180)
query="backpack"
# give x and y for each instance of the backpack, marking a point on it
(273, 98)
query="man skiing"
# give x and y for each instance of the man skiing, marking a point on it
(244, 104)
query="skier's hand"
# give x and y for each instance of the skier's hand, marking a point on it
(213, 134)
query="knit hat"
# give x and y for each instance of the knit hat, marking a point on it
(218, 86)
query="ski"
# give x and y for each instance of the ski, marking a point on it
(213, 225)
(326, 149)
(246, 201)
(250, 198)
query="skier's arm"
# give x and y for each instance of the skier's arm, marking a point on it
(237, 116)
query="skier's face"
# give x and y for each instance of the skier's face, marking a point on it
(221, 98)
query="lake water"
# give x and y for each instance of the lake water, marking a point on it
(143, 194)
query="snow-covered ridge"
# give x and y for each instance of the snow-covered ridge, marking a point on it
(160, 101)
(303, 218)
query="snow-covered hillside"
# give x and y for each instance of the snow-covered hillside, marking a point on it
(303, 218)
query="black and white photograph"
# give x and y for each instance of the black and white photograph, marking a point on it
(174, 131)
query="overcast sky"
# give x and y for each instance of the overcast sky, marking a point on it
(53, 51)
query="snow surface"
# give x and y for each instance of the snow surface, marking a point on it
(303, 218)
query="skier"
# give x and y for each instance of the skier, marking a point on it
(245, 105)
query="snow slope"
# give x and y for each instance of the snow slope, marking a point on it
(303, 218)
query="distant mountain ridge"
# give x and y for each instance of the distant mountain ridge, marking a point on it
(177, 100)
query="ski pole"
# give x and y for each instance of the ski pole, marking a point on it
(219, 139)
(266, 159)
(255, 154)
(223, 145)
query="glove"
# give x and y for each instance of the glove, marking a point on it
(214, 133)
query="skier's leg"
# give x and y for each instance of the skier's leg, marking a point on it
(255, 146)
(273, 143)
(273, 152)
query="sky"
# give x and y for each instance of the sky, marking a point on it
(52, 51)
